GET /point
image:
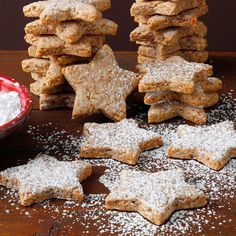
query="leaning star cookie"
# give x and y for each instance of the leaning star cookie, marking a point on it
(211, 145)
(167, 110)
(45, 177)
(101, 86)
(53, 11)
(122, 141)
(174, 74)
(155, 196)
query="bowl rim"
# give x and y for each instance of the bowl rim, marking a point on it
(25, 110)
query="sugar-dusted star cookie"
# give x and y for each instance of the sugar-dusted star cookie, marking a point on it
(170, 8)
(170, 109)
(63, 10)
(101, 86)
(123, 141)
(45, 177)
(211, 145)
(174, 74)
(155, 196)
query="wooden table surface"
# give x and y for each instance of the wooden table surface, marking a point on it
(39, 220)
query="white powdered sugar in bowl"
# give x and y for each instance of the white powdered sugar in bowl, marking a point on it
(10, 106)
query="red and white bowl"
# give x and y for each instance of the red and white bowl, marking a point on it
(13, 126)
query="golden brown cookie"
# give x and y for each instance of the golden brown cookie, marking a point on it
(53, 101)
(174, 74)
(167, 110)
(123, 141)
(169, 8)
(63, 10)
(155, 196)
(211, 145)
(101, 86)
(142, 35)
(194, 43)
(36, 65)
(186, 18)
(196, 99)
(53, 45)
(189, 55)
(45, 177)
(72, 31)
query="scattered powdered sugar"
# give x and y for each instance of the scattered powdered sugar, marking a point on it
(219, 186)
(10, 106)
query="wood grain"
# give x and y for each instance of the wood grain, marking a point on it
(20, 148)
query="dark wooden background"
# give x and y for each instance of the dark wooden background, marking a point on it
(221, 21)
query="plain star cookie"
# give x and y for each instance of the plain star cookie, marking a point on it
(173, 74)
(45, 177)
(211, 145)
(123, 141)
(155, 196)
(63, 10)
(101, 86)
(170, 109)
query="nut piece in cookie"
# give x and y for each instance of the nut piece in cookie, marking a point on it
(211, 145)
(174, 74)
(45, 177)
(101, 86)
(155, 196)
(123, 141)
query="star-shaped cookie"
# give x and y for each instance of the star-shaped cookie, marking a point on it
(174, 74)
(63, 10)
(155, 196)
(211, 145)
(45, 177)
(122, 141)
(101, 86)
(170, 109)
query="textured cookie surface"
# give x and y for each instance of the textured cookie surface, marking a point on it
(169, 36)
(197, 99)
(163, 7)
(184, 19)
(63, 10)
(101, 86)
(211, 145)
(72, 31)
(123, 141)
(167, 110)
(154, 195)
(174, 74)
(45, 177)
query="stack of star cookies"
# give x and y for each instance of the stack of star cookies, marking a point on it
(67, 32)
(170, 28)
(176, 87)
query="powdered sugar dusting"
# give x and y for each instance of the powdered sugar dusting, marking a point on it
(219, 186)
(213, 141)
